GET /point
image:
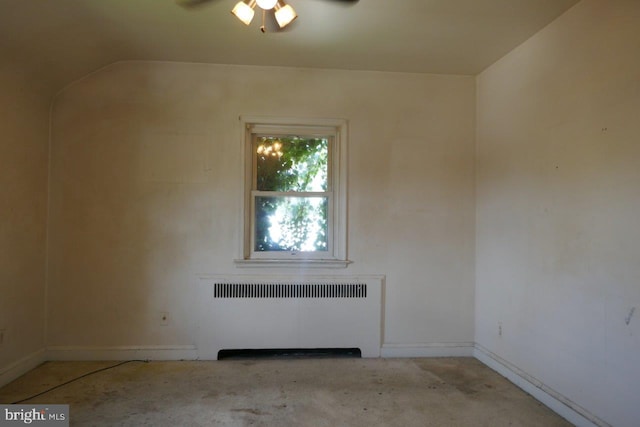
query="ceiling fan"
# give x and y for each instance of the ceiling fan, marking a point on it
(244, 10)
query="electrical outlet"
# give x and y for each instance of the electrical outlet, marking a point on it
(2, 336)
(164, 318)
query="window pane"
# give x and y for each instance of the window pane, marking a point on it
(291, 224)
(291, 163)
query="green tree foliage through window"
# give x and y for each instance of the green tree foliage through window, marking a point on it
(290, 205)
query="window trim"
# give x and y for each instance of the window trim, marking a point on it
(337, 129)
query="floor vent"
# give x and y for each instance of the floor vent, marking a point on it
(290, 353)
(290, 290)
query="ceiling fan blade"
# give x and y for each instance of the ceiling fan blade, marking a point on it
(193, 4)
(345, 2)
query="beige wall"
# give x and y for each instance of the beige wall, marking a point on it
(23, 179)
(145, 190)
(558, 208)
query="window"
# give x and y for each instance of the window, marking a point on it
(295, 192)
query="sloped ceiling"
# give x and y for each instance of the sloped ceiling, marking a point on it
(59, 41)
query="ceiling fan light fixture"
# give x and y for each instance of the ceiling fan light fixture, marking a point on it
(284, 13)
(243, 10)
(267, 4)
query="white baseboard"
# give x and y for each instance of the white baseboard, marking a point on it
(179, 352)
(558, 403)
(462, 349)
(21, 367)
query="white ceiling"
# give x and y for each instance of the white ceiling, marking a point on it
(61, 40)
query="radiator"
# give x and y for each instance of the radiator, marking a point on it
(261, 312)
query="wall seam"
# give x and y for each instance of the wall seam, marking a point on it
(48, 229)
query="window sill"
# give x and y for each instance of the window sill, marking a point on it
(306, 263)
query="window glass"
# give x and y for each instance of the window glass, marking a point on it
(291, 207)
(294, 224)
(291, 163)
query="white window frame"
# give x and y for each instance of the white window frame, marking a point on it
(336, 130)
